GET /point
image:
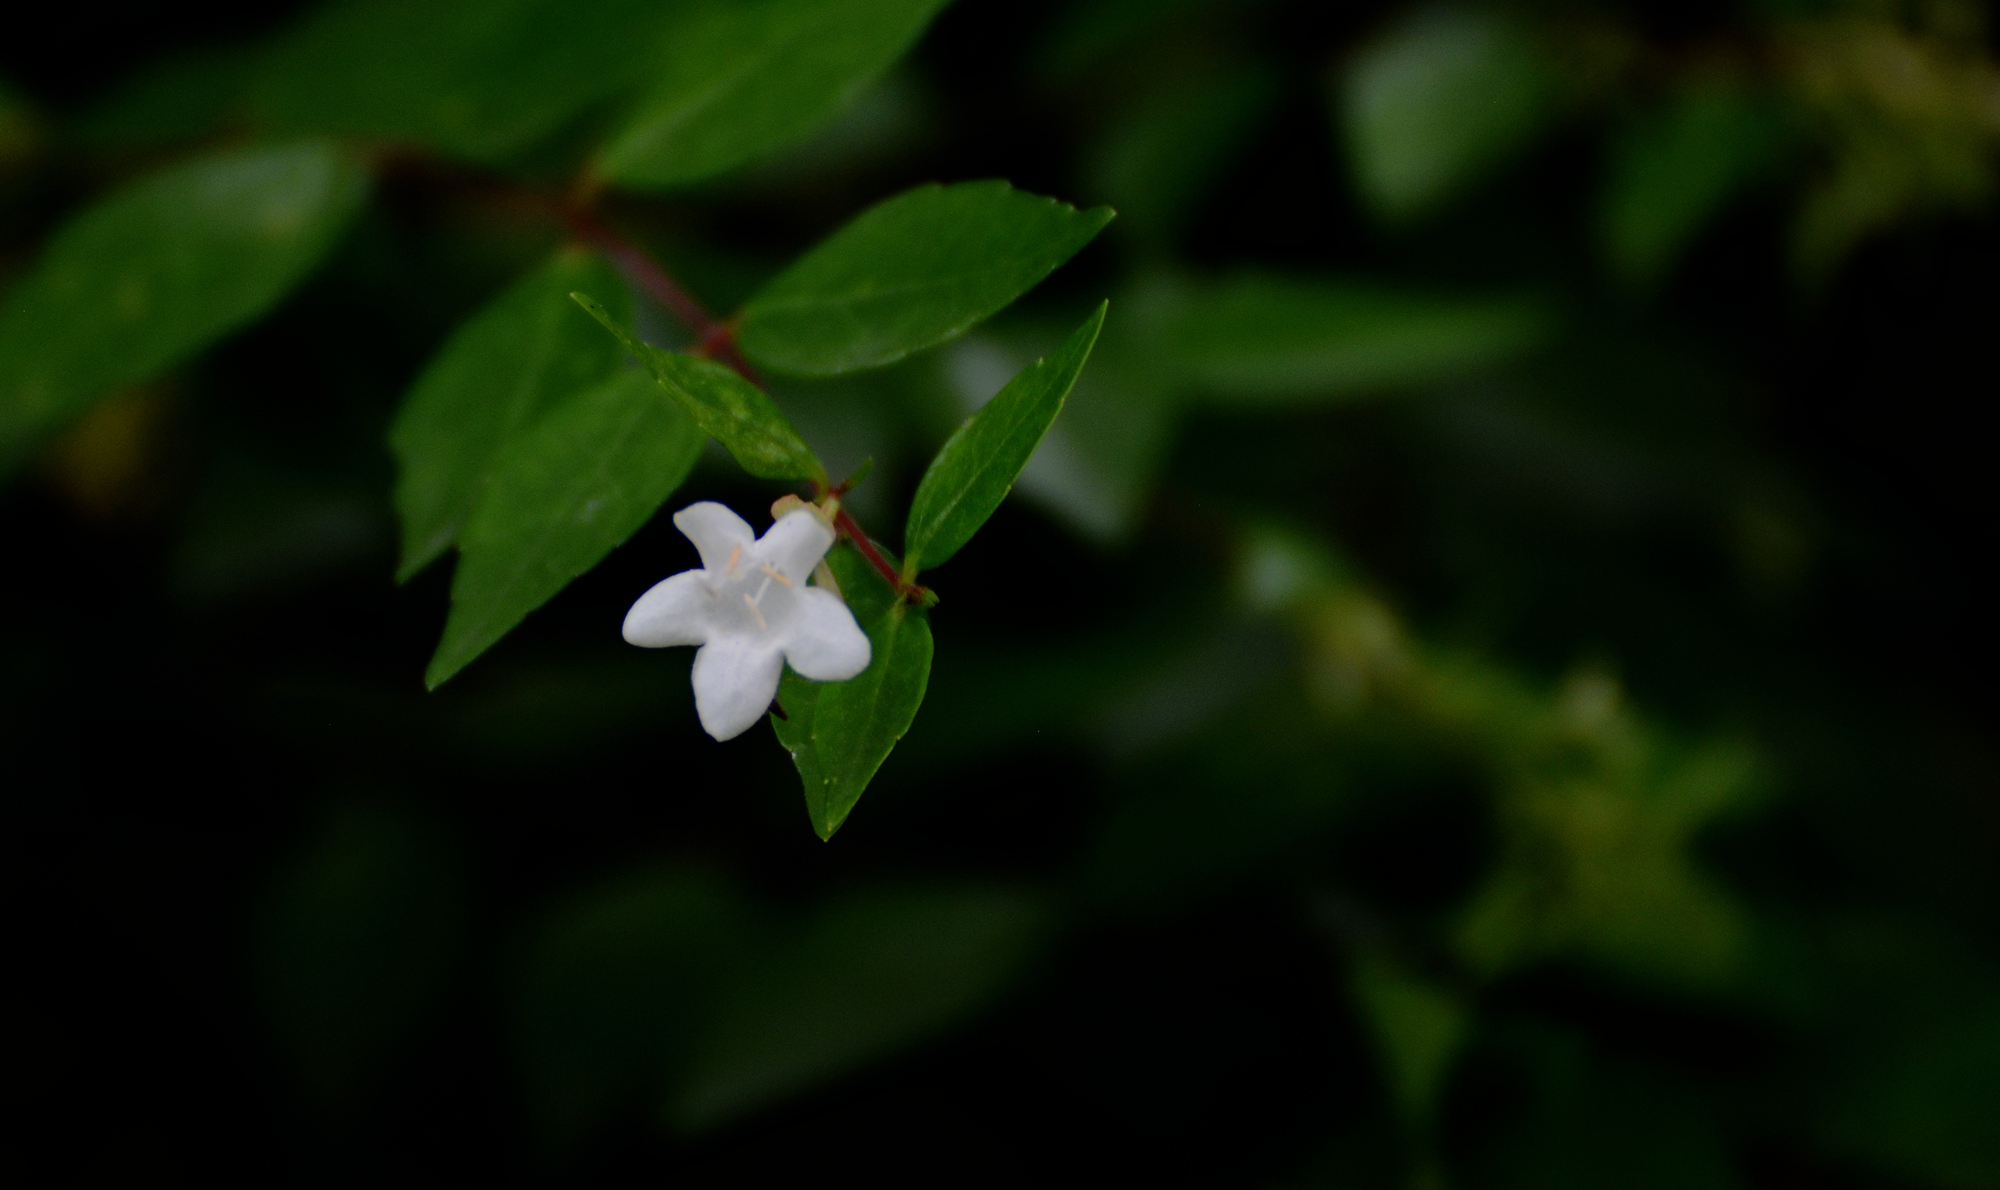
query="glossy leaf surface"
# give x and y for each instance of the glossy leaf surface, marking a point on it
(150, 276)
(727, 407)
(839, 733)
(505, 367)
(977, 466)
(1097, 464)
(910, 273)
(742, 79)
(559, 497)
(855, 725)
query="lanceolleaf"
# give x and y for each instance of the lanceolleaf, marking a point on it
(910, 273)
(505, 367)
(843, 731)
(977, 466)
(559, 497)
(839, 733)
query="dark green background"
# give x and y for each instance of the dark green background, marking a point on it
(274, 907)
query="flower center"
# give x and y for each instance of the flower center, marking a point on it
(752, 600)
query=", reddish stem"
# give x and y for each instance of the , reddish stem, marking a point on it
(908, 590)
(715, 338)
